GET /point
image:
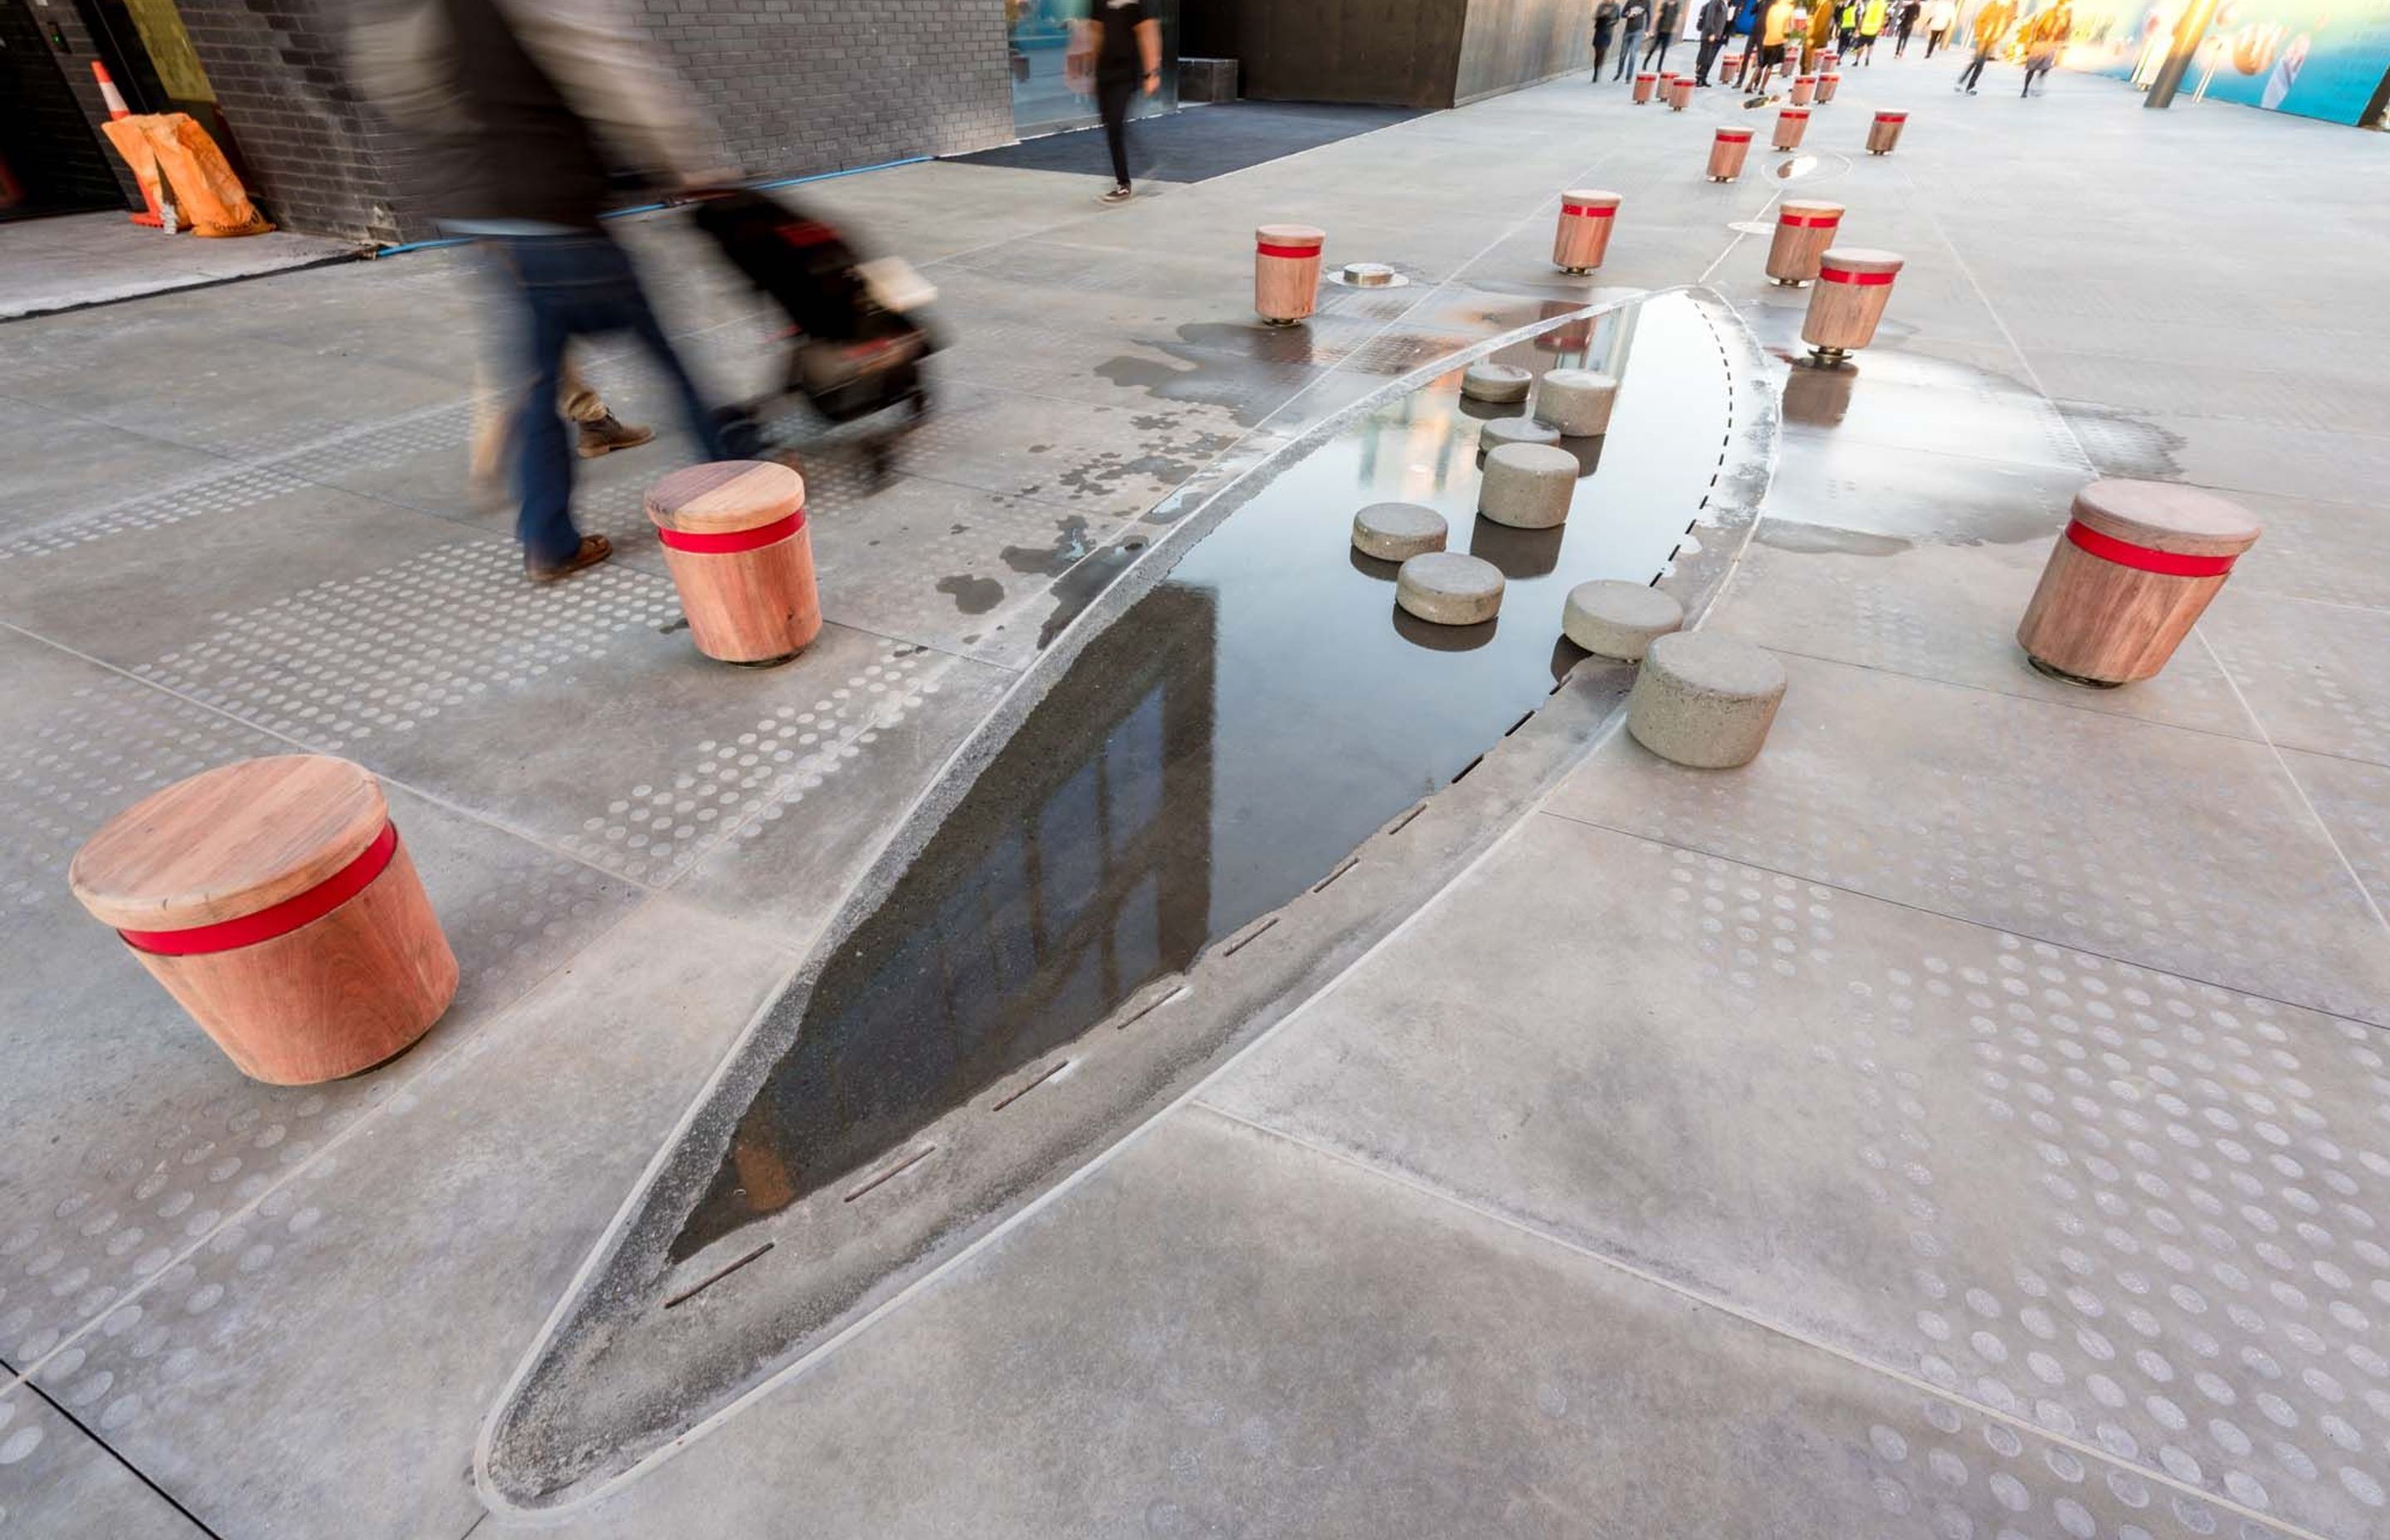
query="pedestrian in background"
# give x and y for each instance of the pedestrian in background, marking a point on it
(596, 429)
(1821, 32)
(1909, 10)
(1846, 23)
(1991, 25)
(1775, 24)
(1871, 17)
(1605, 27)
(1746, 26)
(1631, 18)
(1669, 23)
(525, 114)
(1121, 47)
(1939, 14)
(2043, 38)
(1714, 22)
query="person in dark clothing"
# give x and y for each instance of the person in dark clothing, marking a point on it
(1714, 22)
(1746, 26)
(1605, 27)
(1632, 16)
(1120, 43)
(1909, 11)
(527, 113)
(1665, 29)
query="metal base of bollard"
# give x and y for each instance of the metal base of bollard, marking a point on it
(1790, 283)
(1272, 321)
(1829, 358)
(2053, 671)
(1577, 272)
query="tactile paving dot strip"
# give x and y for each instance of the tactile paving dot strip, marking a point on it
(335, 664)
(745, 782)
(239, 488)
(113, 744)
(2196, 1285)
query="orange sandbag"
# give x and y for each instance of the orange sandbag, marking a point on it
(134, 145)
(205, 190)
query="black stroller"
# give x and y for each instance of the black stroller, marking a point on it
(856, 352)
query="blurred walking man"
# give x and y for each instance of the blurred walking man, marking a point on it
(526, 111)
(1123, 42)
(1991, 26)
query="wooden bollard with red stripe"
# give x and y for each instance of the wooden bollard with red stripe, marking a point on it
(1727, 151)
(1584, 233)
(273, 900)
(1884, 132)
(1805, 228)
(1805, 90)
(2139, 563)
(735, 538)
(1644, 85)
(1681, 94)
(1791, 122)
(1854, 285)
(1827, 59)
(1286, 272)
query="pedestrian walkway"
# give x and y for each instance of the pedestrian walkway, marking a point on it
(1965, 1121)
(76, 260)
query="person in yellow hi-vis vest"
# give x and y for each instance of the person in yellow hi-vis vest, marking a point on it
(1871, 17)
(2043, 38)
(1992, 25)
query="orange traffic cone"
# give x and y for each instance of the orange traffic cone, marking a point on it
(116, 109)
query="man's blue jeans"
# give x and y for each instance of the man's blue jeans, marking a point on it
(570, 285)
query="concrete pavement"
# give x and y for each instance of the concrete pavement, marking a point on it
(1963, 1120)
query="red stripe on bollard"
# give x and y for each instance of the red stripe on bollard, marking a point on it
(1269, 250)
(1865, 280)
(735, 540)
(1587, 210)
(2123, 553)
(1806, 221)
(275, 919)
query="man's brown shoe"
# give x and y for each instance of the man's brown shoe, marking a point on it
(604, 435)
(594, 548)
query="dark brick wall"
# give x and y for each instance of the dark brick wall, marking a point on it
(316, 160)
(810, 85)
(74, 64)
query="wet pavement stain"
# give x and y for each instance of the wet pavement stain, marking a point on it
(972, 594)
(1071, 544)
(1158, 800)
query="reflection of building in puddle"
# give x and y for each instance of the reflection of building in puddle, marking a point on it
(1074, 873)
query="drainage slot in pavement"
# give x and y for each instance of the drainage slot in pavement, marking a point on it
(1051, 1070)
(694, 1289)
(1341, 867)
(1249, 937)
(889, 1172)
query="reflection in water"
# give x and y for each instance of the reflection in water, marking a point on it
(1220, 747)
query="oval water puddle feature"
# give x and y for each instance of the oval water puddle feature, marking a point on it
(1219, 750)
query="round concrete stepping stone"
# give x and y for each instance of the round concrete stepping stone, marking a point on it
(1495, 382)
(1576, 402)
(1498, 431)
(1397, 531)
(1704, 700)
(1611, 619)
(1449, 588)
(1528, 486)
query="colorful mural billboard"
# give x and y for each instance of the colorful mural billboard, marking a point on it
(2318, 58)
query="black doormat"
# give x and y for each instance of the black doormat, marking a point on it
(1197, 143)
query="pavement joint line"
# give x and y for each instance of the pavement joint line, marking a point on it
(113, 1453)
(2296, 785)
(367, 1117)
(2032, 375)
(2078, 949)
(1704, 1298)
(436, 800)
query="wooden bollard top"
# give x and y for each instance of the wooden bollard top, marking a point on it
(2161, 515)
(1734, 136)
(1808, 213)
(1857, 264)
(1647, 74)
(1589, 202)
(1303, 239)
(1796, 114)
(1804, 80)
(1892, 117)
(725, 498)
(230, 843)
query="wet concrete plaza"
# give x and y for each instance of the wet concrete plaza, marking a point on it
(1966, 1121)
